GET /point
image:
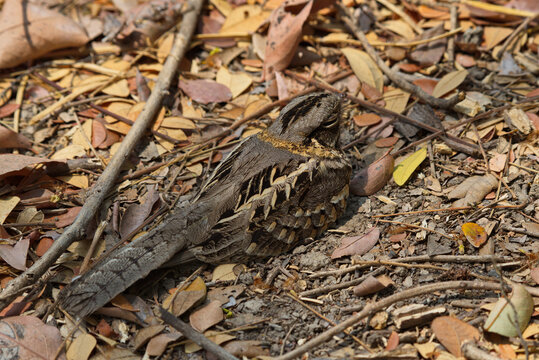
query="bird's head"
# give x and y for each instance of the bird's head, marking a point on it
(311, 117)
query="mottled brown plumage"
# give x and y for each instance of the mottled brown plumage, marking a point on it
(288, 183)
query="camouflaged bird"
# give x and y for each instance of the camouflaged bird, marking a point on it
(280, 186)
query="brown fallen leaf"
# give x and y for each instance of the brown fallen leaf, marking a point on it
(206, 91)
(11, 139)
(158, 344)
(16, 255)
(29, 31)
(206, 317)
(374, 177)
(357, 245)
(30, 338)
(186, 299)
(284, 35)
(452, 333)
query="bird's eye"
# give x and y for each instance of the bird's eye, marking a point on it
(331, 122)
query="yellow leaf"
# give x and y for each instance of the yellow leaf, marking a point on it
(495, 34)
(475, 234)
(407, 167)
(364, 68)
(449, 82)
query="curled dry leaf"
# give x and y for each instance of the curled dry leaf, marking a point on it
(29, 31)
(452, 333)
(518, 119)
(357, 245)
(371, 179)
(372, 285)
(473, 190)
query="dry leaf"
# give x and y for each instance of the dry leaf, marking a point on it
(494, 35)
(29, 338)
(284, 35)
(452, 333)
(206, 317)
(367, 119)
(7, 204)
(501, 319)
(449, 82)
(206, 91)
(357, 245)
(246, 349)
(29, 31)
(364, 68)
(369, 180)
(406, 168)
(158, 344)
(473, 190)
(431, 52)
(372, 285)
(11, 139)
(16, 255)
(227, 272)
(186, 299)
(145, 334)
(81, 347)
(236, 82)
(475, 234)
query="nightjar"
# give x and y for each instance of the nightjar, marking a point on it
(287, 183)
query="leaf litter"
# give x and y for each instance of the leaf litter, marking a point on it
(49, 152)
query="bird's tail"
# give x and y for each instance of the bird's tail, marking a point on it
(123, 267)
